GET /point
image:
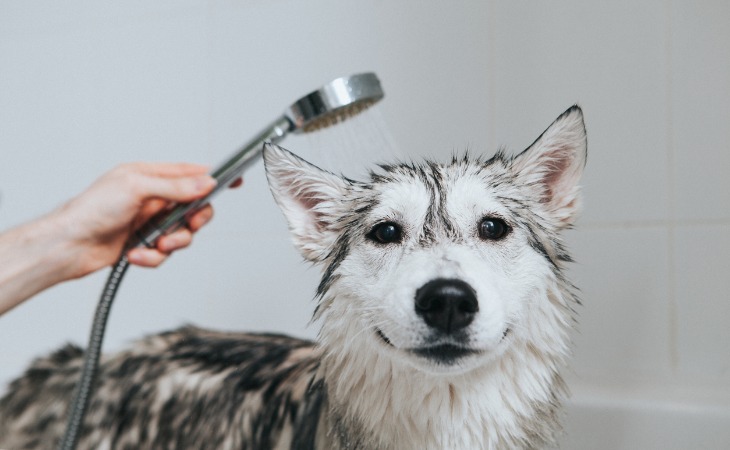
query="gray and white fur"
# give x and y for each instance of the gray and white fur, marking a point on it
(445, 319)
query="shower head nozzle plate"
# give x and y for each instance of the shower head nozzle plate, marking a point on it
(335, 102)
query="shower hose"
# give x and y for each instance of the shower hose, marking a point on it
(85, 385)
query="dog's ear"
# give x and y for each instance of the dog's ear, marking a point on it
(554, 163)
(309, 197)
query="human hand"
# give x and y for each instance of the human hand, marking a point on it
(100, 220)
(90, 231)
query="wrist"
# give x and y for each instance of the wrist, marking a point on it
(71, 248)
(49, 245)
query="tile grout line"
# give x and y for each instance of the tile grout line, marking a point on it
(673, 344)
(492, 81)
(652, 224)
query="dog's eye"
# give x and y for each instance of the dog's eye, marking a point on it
(493, 229)
(385, 233)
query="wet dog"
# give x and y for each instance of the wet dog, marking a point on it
(445, 315)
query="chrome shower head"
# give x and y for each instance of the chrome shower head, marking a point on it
(336, 101)
(331, 104)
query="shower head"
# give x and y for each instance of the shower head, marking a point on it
(333, 103)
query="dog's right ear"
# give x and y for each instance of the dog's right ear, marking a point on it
(554, 163)
(309, 197)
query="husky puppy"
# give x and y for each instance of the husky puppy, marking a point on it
(445, 317)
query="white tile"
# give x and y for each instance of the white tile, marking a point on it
(18, 19)
(624, 323)
(610, 57)
(258, 285)
(701, 108)
(74, 103)
(46, 124)
(437, 67)
(433, 66)
(703, 302)
(242, 284)
(150, 85)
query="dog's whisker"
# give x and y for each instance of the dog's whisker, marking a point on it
(363, 330)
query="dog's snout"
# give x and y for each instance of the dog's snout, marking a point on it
(446, 304)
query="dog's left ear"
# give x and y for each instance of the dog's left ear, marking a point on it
(309, 197)
(554, 163)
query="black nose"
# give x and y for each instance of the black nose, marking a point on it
(447, 305)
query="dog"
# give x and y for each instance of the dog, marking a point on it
(445, 322)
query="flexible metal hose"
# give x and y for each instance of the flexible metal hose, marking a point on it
(84, 387)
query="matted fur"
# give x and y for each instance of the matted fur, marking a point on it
(376, 378)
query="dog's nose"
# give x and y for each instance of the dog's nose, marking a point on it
(447, 305)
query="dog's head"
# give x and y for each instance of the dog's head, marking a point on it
(443, 266)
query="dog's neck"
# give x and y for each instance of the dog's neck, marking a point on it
(376, 401)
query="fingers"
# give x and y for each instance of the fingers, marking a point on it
(175, 241)
(183, 189)
(153, 257)
(173, 182)
(169, 170)
(178, 239)
(146, 257)
(200, 218)
(178, 182)
(157, 185)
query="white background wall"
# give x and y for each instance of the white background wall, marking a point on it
(86, 85)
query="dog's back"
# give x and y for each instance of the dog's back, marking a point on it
(188, 388)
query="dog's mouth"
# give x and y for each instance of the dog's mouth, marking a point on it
(383, 337)
(442, 353)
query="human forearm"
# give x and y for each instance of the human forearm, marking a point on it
(89, 232)
(33, 257)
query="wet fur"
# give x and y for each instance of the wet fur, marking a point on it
(361, 386)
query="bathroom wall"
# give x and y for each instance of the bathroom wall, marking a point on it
(87, 85)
